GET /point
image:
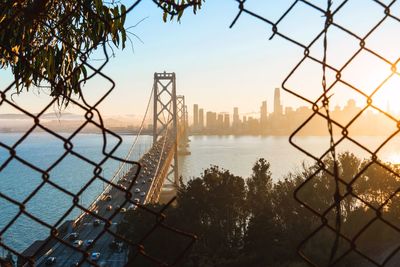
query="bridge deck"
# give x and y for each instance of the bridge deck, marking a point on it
(149, 182)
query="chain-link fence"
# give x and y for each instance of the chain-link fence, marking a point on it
(330, 76)
(63, 77)
(340, 132)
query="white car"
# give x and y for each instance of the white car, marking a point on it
(78, 243)
(95, 256)
(51, 260)
(137, 190)
(136, 200)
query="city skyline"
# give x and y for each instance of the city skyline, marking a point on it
(283, 120)
(278, 120)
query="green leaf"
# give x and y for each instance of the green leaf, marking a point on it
(84, 72)
(123, 37)
(165, 16)
(123, 13)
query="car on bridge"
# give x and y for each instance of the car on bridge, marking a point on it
(77, 243)
(115, 245)
(51, 260)
(95, 256)
(73, 236)
(88, 242)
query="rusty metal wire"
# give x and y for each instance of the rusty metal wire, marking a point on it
(317, 112)
(386, 9)
(93, 118)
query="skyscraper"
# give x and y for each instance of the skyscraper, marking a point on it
(211, 120)
(277, 102)
(201, 118)
(235, 121)
(227, 122)
(220, 121)
(263, 112)
(195, 116)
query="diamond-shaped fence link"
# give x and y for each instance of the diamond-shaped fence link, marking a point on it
(330, 217)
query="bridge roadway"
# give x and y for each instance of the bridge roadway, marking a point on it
(66, 256)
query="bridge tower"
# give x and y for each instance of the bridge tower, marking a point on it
(165, 115)
(182, 117)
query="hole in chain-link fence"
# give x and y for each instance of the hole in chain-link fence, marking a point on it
(331, 74)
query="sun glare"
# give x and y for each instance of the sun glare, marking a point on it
(388, 96)
(394, 158)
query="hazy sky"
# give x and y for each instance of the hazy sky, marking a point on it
(220, 68)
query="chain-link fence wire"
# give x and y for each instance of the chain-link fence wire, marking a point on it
(320, 107)
(331, 217)
(57, 236)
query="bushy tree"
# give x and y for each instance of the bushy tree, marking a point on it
(46, 43)
(259, 223)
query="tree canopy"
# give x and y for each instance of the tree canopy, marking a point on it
(257, 222)
(46, 43)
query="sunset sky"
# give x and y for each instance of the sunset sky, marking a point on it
(219, 68)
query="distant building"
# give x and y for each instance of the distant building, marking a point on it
(201, 118)
(277, 102)
(288, 111)
(211, 120)
(252, 125)
(236, 120)
(195, 116)
(227, 123)
(263, 113)
(220, 121)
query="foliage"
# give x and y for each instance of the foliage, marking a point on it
(259, 223)
(176, 8)
(46, 43)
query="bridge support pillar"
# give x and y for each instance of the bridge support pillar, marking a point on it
(165, 121)
(182, 116)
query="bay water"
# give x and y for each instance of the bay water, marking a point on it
(48, 203)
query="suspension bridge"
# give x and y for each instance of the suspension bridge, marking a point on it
(143, 185)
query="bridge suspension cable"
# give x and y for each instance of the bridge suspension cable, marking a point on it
(117, 173)
(131, 149)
